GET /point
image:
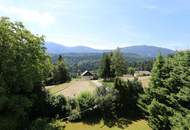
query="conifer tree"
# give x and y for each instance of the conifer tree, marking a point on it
(105, 70)
(154, 99)
(166, 102)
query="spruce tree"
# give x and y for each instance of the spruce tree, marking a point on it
(155, 97)
(166, 102)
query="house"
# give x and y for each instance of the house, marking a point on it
(142, 73)
(87, 75)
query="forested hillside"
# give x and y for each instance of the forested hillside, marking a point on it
(91, 61)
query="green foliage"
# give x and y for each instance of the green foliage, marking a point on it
(60, 72)
(78, 63)
(57, 124)
(74, 115)
(105, 70)
(86, 103)
(42, 124)
(106, 98)
(166, 101)
(112, 64)
(159, 115)
(128, 94)
(131, 70)
(74, 109)
(119, 63)
(24, 64)
(57, 106)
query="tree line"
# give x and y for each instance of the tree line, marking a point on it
(78, 63)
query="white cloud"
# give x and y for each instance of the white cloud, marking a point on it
(44, 19)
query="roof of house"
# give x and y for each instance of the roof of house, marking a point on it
(86, 72)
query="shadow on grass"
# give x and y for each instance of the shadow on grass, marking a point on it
(92, 120)
(121, 123)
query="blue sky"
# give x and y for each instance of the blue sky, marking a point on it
(105, 24)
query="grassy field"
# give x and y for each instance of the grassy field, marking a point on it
(72, 88)
(77, 86)
(135, 125)
(144, 80)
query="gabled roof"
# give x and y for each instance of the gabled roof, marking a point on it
(86, 72)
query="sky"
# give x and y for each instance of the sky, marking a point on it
(105, 24)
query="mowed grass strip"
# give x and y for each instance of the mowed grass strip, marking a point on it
(135, 125)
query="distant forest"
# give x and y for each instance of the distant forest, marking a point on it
(79, 62)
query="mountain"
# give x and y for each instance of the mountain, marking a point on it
(56, 48)
(142, 50)
(147, 51)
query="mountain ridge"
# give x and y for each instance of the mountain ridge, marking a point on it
(142, 50)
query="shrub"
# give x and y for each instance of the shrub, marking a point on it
(106, 101)
(73, 109)
(42, 124)
(74, 115)
(86, 103)
(57, 106)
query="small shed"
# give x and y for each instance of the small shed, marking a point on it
(142, 73)
(87, 75)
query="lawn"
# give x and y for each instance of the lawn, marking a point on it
(135, 125)
(72, 88)
(143, 79)
(76, 86)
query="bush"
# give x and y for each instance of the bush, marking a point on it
(74, 115)
(106, 101)
(57, 106)
(86, 103)
(73, 110)
(131, 71)
(42, 124)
